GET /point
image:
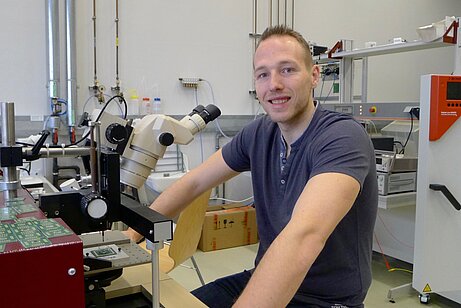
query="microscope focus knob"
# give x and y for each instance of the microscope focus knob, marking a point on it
(94, 206)
(166, 139)
(116, 133)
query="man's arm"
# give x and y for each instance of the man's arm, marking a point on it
(323, 203)
(173, 200)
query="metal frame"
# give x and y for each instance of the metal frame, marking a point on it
(342, 53)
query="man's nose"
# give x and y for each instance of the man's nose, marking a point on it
(275, 82)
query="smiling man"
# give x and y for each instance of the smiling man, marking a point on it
(315, 190)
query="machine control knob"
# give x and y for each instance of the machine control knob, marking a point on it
(166, 139)
(94, 206)
(116, 133)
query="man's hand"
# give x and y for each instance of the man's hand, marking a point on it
(133, 235)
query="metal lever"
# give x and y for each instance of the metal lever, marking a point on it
(34, 154)
(38, 145)
(447, 194)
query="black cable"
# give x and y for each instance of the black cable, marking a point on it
(24, 169)
(99, 116)
(399, 143)
(24, 143)
(329, 92)
(409, 134)
(110, 100)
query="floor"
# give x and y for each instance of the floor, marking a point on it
(228, 261)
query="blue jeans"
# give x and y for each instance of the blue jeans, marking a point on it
(223, 293)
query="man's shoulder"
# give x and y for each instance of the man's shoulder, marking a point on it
(260, 125)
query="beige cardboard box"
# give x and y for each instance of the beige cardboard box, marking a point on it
(227, 226)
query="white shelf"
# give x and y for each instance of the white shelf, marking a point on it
(382, 50)
(397, 200)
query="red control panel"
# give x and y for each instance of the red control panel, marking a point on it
(445, 104)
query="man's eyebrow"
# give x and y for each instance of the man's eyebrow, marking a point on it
(281, 63)
(259, 68)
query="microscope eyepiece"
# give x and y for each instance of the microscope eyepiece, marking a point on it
(197, 110)
(209, 113)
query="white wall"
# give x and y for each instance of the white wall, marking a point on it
(392, 77)
(163, 40)
(23, 56)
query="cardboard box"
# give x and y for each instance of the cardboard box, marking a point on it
(228, 226)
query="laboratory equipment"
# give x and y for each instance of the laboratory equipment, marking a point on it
(392, 183)
(86, 210)
(438, 220)
(390, 162)
(141, 146)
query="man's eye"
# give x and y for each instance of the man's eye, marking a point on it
(287, 70)
(261, 75)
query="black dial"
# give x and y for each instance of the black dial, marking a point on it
(166, 139)
(116, 133)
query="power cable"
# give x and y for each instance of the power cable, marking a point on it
(409, 135)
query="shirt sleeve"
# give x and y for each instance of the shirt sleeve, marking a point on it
(235, 152)
(344, 148)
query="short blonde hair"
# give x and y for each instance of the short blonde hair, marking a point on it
(282, 30)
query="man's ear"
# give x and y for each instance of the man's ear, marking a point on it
(315, 74)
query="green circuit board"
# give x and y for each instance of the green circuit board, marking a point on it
(22, 208)
(31, 232)
(15, 207)
(6, 234)
(7, 213)
(51, 228)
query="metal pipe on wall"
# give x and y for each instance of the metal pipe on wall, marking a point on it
(270, 12)
(94, 46)
(117, 77)
(52, 39)
(286, 16)
(278, 12)
(71, 65)
(255, 23)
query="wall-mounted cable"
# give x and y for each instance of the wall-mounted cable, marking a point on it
(97, 89)
(214, 103)
(116, 89)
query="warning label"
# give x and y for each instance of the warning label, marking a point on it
(427, 288)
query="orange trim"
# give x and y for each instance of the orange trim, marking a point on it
(451, 39)
(337, 47)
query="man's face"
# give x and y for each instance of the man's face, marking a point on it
(283, 82)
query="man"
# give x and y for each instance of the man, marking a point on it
(314, 183)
